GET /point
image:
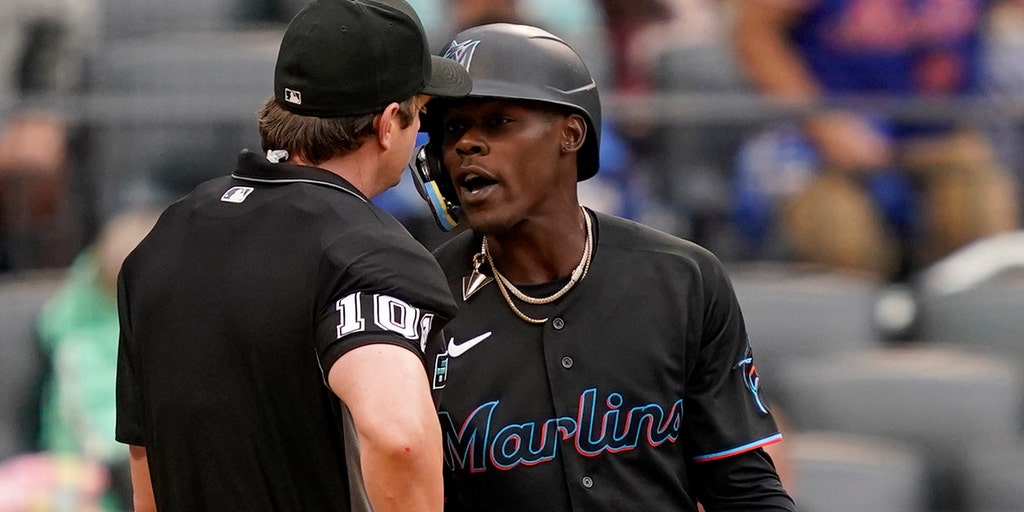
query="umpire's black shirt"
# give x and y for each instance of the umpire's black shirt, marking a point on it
(232, 311)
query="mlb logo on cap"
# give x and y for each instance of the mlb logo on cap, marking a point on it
(354, 57)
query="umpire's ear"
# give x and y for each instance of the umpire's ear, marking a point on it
(574, 132)
(384, 124)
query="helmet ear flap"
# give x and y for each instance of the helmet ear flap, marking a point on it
(435, 186)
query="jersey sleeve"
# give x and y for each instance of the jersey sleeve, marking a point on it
(747, 481)
(130, 425)
(383, 287)
(726, 410)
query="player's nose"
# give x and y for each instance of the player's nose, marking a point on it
(471, 142)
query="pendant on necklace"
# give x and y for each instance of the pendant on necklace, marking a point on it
(475, 280)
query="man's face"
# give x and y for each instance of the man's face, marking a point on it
(506, 162)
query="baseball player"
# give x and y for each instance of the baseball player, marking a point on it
(595, 363)
(263, 297)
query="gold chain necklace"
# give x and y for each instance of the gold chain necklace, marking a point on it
(578, 273)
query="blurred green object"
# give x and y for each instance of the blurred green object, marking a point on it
(78, 330)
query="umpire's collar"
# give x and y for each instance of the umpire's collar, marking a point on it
(253, 167)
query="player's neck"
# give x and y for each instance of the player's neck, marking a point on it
(535, 256)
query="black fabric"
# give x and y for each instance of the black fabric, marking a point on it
(744, 482)
(347, 58)
(638, 374)
(232, 311)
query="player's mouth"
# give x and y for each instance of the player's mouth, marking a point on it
(474, 184)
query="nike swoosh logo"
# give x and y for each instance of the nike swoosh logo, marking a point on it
(457, 349)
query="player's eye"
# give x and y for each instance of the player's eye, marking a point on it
(499, 120)
(454, 125)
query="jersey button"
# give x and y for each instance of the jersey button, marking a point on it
(558, 323)
(588, 482)
(567, 362)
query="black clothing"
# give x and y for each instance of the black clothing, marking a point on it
(233, 310)
(641, 374)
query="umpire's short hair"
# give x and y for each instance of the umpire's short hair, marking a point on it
(318, 139)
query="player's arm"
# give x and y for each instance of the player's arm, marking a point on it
(743, 482)
(765, 52)
(142, 486)
(775, 67)
(728, 421)
(386, 390)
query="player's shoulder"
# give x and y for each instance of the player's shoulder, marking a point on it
(623, 243)
(631, 238)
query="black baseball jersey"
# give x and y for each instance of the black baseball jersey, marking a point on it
(641, 372)
(232, 311)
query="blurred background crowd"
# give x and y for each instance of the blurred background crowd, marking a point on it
(856, 164)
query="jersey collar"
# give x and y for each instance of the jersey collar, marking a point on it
(255, 168)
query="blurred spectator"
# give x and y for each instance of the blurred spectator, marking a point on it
(470, 13)
(33, 191)
(888, 195)
(682, 47)
(43, 48)
(642, 31)
(78, 330)
(625, 19)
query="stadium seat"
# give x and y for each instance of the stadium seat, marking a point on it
(129, 18)
(791, 313)
(179, 107)
(995, 476)
(938, 399)
(976, 297)
(837, 472)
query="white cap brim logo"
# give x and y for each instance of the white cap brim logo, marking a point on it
(292, 96)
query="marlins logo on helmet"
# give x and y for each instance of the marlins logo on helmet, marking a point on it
(462, 52)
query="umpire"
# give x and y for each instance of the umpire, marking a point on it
(263, 297)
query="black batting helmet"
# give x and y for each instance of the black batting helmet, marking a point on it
(523, 62)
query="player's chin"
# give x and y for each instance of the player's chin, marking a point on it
(488, 221)
(480, 196)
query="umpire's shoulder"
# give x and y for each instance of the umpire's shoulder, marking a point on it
(457, 253)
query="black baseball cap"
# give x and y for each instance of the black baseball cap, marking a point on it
(353, 57)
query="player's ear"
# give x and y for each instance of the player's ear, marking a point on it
(574, 132)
